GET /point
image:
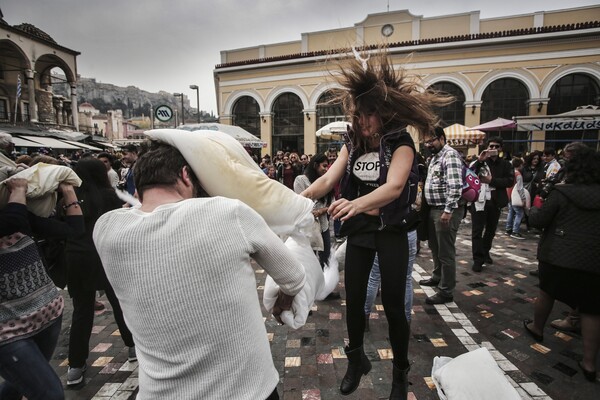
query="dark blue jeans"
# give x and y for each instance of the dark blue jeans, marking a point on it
(25, 366)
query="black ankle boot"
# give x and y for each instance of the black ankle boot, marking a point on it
(358, 365)
(399, 384)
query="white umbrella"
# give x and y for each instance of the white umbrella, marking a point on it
(333, 130)
(241, 135)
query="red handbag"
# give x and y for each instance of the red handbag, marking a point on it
(537, 201)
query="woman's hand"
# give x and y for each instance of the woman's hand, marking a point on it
(343, 209)
(18, 189)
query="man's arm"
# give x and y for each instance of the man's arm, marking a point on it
(454, 181)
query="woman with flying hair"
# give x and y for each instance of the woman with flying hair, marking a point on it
(375, 166)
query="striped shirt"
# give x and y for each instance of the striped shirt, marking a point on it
(444, 183)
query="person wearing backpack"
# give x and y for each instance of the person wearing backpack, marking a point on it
(497, 174)
(519, 202)
(443, 191)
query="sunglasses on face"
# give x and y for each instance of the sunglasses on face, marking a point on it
(494, 146)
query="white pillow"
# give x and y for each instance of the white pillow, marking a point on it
(471, 376)
(224, 168)
(42, 183)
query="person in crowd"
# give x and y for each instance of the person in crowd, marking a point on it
(265, 163)
(130, 155)
(198, 326)
(442, 190)
(533, 174)
(85, 271)
(496, 174)
(108, 161)
(278, 159)
(381, 102)
(287, 173)
(332, 154)
(6, 146)
(568, 252)
(295, 161)
(316, 168)
(551, 164)
(519, 202)
(304, 162)
(24, 159)
(31, 317)
(272, 172)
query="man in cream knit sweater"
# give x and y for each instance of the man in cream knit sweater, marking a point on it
(180, 266)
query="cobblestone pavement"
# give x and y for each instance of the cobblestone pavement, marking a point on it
(488, 311)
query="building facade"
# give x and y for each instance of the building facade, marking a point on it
(27, 57)
(538, 64)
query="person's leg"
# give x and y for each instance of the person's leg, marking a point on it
(477, 225)
(81, 328)
(446, 237)
(324, 255)
(412, 254)
(358, 267)
(434, 216)
(519, 212)
(274, 395)
(541, 311)
(372, 286)
(392, 250)
(590, 332)
(118, 313)
(491, 224)
(510, 218)
(25, 368)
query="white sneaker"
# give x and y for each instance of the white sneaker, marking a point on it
(75, 375)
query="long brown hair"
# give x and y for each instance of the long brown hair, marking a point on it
(399, 100)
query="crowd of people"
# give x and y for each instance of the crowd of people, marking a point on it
(382, 194)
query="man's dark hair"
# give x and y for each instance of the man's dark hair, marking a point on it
(130, 148)
(496, 139)
(162, 165)
(517, 162)
(438, 132)
(549, 151)
(106, 155)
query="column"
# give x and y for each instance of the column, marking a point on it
(472, 113)
(266, 129)
(538, 107)
(74, 106)
(33, 109)
(310, 131)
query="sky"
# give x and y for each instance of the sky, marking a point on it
(169, 45)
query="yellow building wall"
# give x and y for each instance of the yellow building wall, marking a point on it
(276, 50)
(442, 27)
(242, 55)
(506, 24)
(331, 40)
(572, 17)
(402, 32)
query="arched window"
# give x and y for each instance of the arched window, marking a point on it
(288, 123)
(506, 98)
(452, 113)
(568, 93)
(326, 113)
(572, 91)
(245, 114)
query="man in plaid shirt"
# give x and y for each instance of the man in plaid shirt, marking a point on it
(442, 191)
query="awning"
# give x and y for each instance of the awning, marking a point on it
(83, 145)
(241, 135)
(49, 142)
(581, 119)
(108, 145)
(499, 124)
(25, 143)
(458, 135)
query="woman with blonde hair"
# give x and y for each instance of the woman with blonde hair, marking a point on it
(379, 176)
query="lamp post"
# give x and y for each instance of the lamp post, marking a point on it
(195, 87)
(182, 111)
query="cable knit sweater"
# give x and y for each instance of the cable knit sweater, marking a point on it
(183, 277)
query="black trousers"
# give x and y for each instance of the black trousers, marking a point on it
(485, 220)
(83, 321)
(392, 250)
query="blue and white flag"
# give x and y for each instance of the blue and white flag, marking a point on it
(18, 86)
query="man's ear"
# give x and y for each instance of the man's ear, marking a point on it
(185, 176)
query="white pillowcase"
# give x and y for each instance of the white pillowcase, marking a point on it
(471, 376)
